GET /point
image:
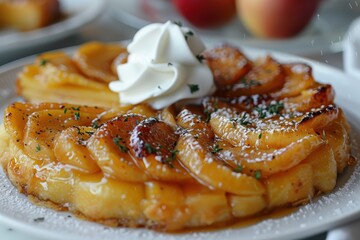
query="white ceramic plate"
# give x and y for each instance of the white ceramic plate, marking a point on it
(324, 34)
(79, 13)
(324, 213)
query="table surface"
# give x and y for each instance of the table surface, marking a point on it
(108, 29)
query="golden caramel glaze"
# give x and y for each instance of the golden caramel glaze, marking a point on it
(271, 140)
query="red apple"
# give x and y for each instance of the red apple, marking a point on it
(206, 13)
(276, 18)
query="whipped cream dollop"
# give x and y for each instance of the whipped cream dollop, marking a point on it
(164, 66)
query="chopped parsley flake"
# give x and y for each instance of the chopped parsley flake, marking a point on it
(200, 57)
(257, 174)
(149, 148)
(38, 148)
(169, 160)
(238, 168)
(179, 23)
(95, 124)
(43, 62)
(208, 115)
(261, 112)
(188, 34)
(249, 83)
(275, 108)
(260, 136)
(216, 149)
(193, 88)
(77, 116)
(243, 120)
(76, 109)
(122, 147)
(65, 110)
(40, 219)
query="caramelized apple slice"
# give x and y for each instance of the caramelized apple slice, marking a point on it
(195, 125)
(270, 161)
(109, 146)
(42, 126)
(5, 155)
(266, 76)
(206, 206)
(54, 76)
(312, 98)
(227, 64)
(59, 60)
(293, 186)
(20, 168)
(54, 182)
(102, 199)
(339, 141)
(165, 205)
(298, 78)
(120, 59)
(95, 59)
(323, 165)
(168, 116)
(319, 118)
(239, 132)
(245, 206)
(203, 164)
(152, 144)
(70, 148)
(144, 110)
(16, 115)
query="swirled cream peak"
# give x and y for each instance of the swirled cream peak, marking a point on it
(163, 67)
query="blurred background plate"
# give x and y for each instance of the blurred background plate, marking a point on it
(324, 34)
(78, 13)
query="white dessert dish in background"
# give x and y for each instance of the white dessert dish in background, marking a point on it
(78, 14)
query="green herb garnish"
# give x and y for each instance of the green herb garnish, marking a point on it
(40, 219)
(275, 108)
(77, 116)
(179, 23)
(95, 124)
(193, 88)
(38, 148)
(243, 120)
(216, 149)
(122, 147)
(248, 84)
(149, 148)
(257, 174)
(238, 168)
(169, 160)
(43, 62)
(200, 57)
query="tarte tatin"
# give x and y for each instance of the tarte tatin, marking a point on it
(270, 136)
